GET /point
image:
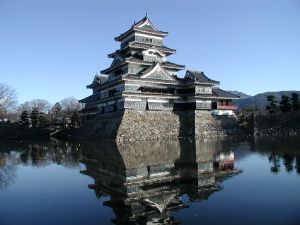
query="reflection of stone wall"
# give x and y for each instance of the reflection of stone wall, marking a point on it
(134, 125)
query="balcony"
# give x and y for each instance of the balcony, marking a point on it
(227, 107)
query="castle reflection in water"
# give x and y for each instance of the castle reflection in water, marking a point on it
(144, 182)
(147, 181)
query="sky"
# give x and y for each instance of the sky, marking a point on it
(51, 49)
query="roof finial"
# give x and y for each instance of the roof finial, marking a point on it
(146, 15)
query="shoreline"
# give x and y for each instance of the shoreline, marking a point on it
(130, 126)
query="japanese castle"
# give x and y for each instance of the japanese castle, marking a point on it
(141, 78)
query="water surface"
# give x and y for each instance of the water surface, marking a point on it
(184, 182)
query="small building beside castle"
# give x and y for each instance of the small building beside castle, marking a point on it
(140, 77)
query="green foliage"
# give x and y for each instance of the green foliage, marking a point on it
(42, 120)
(295, 102)
(24, 119)
(272, 104)
(285, 104)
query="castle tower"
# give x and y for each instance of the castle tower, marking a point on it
(141, 78)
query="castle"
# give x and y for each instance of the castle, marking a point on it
(141, 78)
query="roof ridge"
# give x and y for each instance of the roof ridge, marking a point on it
(200, 76)
(226, 92)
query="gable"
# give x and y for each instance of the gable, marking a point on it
(157, 72)
(146, 25)
(117, 60)
(158, 75)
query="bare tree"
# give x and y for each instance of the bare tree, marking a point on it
(69, 105)
(8, 99)
(41, 105)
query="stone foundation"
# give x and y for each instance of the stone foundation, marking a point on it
(133, 125)
(214, 127)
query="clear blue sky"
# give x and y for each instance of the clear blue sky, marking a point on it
(51, 49)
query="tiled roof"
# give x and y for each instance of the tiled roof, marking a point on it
(170, 64)
(98, 79)
(221, 93)
(90, 98)
(144, 20)
(145, 29)
(164, 64)
(147, 46)
(143, 46)
(101, 78)
(199, 77)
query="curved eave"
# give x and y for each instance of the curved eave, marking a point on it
(212, 83)
(112, 55)
(175, 66)
(113, 68)
(92, 85)
(88, 99)
(224, 94)
(135, 78)
(147, 46)
(165, 65)
(134, 29)
(214, 97)
(134, 45)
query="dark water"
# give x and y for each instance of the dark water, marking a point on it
(250, 182)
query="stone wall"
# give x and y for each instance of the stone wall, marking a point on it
(278, 125)
(152, 125)
(214, 127)
(103, 127)
(133, 125)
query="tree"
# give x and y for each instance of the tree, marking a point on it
(41, 105)
(8, 99)
(35, 117)
(75, 119)
(24, 119)
(295, 102)
(42, 120)
(56, 112)
(272, 106)
(285, 104)
(69, 105)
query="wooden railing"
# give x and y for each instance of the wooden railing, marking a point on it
(228, 107)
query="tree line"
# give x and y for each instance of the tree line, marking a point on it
(285, 105)
(62, 114)
(40, 113)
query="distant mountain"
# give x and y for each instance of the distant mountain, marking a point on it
(241, 94)
(260, 100)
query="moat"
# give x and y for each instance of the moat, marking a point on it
(181, 182)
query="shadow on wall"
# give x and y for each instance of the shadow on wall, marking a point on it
(186, 123)
(102, 127)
